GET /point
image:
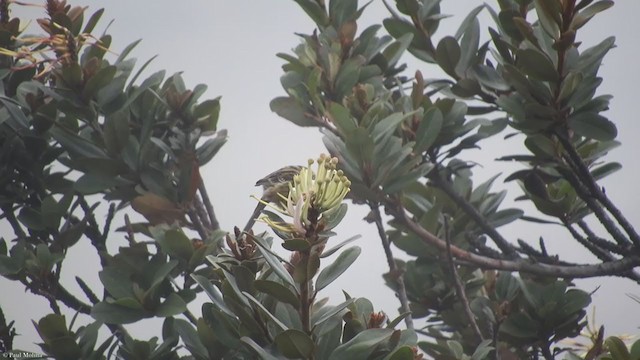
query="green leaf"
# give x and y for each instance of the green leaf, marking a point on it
(116, 314)
(581, 18)
(617, 348)
(210, 148)
(504, 217)
(98, 81)
(315, 12)
(536, 64)
(172, 305)
(213, 292)
(288, 108)
(190, 338)
(448, 55)
(275, 264)
(334, 311)
(331, 251)
(175, 243)
(263, 355)
(337, 267)
(257, 304)
(593, 126)
(93, 21)
(605, 170)
(428, 129)
(278, 291)
(341, 118)
(402, 353)
(116, 281)
(75, 144)
(295, 344)
(89, 184)
(362, 345)
(116, 131)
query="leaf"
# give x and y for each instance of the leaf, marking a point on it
(593, 126)
(213, 292)
(263, 355)
(337, 267)
(288, 108)
(174, 242)
(315, 12)
(295, 344)
(264, 310)
(172, 305)
(617, 348)
(275, 264)
(191, 338)
(362, 345)
(331, 251)
(504, 217)
(75, 144)
(210, 148)
(428, 129)
(605, 170)
(116, 131)
(448, 55)
(536, 65)
(329, 314)
(278, 291)
(116, 314)
(581, 18)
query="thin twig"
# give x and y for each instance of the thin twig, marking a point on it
(207, 204)
(393, 268)
(458, 284)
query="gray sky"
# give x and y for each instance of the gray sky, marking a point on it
(231, 45)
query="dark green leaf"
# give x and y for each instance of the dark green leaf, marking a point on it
(448, 55)
(337, 267)
(115, 314)
(537, 65)
(295, 344)
(278, 291)
(289, 109)
(593, 126)
(362, 345)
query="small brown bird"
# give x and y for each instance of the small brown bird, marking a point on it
(273, 185)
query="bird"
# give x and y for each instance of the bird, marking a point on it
(274, 185)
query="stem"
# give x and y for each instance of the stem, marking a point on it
(458, 284)
(393, 268)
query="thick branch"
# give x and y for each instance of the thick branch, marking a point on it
(393, 268)
(611, 268)
(491, 231)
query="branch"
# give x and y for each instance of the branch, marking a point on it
(491, 231)
(597, 209)
(596, 191)
(197, 224)
(207, 204)
(458, 283)
(611, 268)
(603, 243)
(393, 268)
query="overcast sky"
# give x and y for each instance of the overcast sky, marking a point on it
(231, 45)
